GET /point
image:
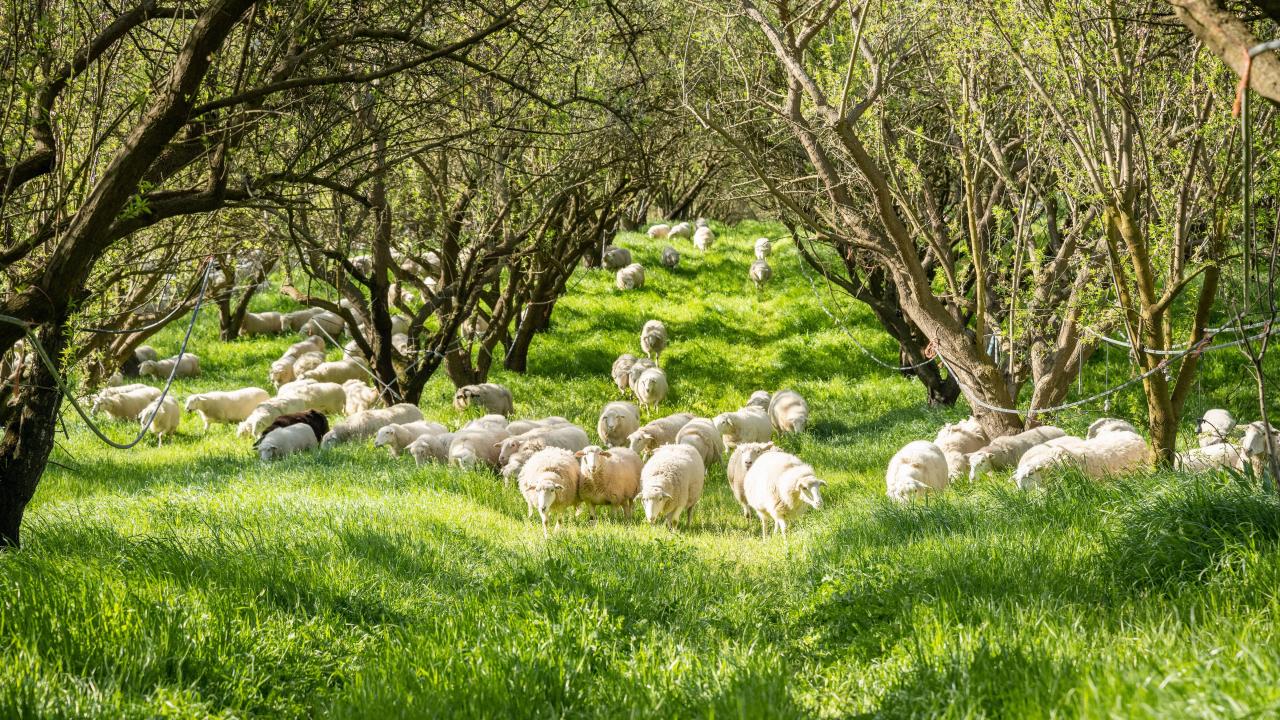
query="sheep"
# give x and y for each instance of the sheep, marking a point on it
(1107, 425)
(298, 318)
(750, 424)
(491, 397)
(659, 231)
(788, 412)
(653, 339)
(617, 421)
(367, 424)
(188, 365)
(680, 230)
(520, 427)
(760, 399)
(567, 436)
(1003, 453)
(760, 273)
(1211, 457)
(430, 448)
(281, 372)
(703, 238)
(284, 441)
(313, 419)
(549, 483)
(1214, 427)
(141, 354)
(145, 352)
(227, 407)
(167, 417)
(474, 328)
(337, 371)
(306, 362)
(324, 323)
(1254, 444)
(621, 371)
(493, 422)
(736, 471)
(360, 397)
(608, 477)
(471, 447)
(651, 388)
(670, 258)
(637, 369)
(701, 222)
(267, 412)
(781, 486)
(399, 325)
(702, 435)
(615, 258)
(283, 369)
(124, 402)
(671, 484)
(655, 433)
(630, 277)
(763, 248)
(956, 441)
(918, 469)
(264, 323)
(398, 436)
(1110, 449)
(514, 463)
(329, 398)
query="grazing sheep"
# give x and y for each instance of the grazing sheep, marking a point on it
(659, 231)
(549, 483)
(488, 422)
(360, 397)
(1108, 425)
(608, 477)
(670, 259)
(431, 448)
(187, 366)
(671, 484)
(475, 446)
(124, 402)
(313, 419)
(916, 470)
(267, 412)
(651, 388)
(226, 407)
(566, 436)
(750, 424)
(324, 323)
(145, 352)
(520, 427)
(282, 370)
(781, 486)
(621, 371)
(491, 397)
(957, 440)
(329, 398)
(788, 412)
(306, 362)
(515, 462)
(760, 399)
(298, 318)
(637, 369)
(1003, 453)
(367, 424)
(680, 230)
(704, 238)
(167, 417)
(1110, 450)
(337, 371)
(701, 222)
(264, 323)
(398, 436)
(739, 463)
(1254, 444)
(617, 421)
(1211, 457)
(760, 273)
(630, 277)
(655, 433)
(615, 258)
(702, 435)
(653, 339)
(281, 442)
(763, 248)
(1214, 427)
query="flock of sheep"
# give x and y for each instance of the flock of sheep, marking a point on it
(630, 275)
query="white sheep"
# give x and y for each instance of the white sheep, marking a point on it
(565, 436)
(167, 417)
(398, 436)
(360, 397)
(670, 258)
(476, 446)
(608, 477)
(617, 421)
(124, 402)
(549, 483)
(788, 412)
(1211, 457)
(659, 231)
(957, 440)
(760, 399)
(491, 397)
(282, 370)
(763, 248)
(366, 424)
(671, 484)
(702, 435)
(653, 339)
(736, 471)
(337, 371)
(298, 318)
(263, 323)
(749, 424)
(1254, 444)
(324, 323)
(1109, 425)
(615, 258)
(760, 273)
(1003, 453)
(630, 277)
(267, 412)
(917, 469)
(520, 427)
(621, 371)
(1214, 427)
(145, 352)
(703, 238)
(188, 366)
(430, 448)
(306, 362)
(231, 406)
(655, 433)
(651, 388)
(637, 369)
(514, 463)
(329, 398)
(487, 422)
(680, 230)
(1110, 450)
(781, 486)
(285, 441)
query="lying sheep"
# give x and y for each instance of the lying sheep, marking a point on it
(306, 362)
(298, 318)
(226, 407)
(671, 484)
(477, 446)
(763, 248)
(1109, 450)
(568, 437)
(263, 323)
(366, 424)
(670, 259)
(313, 419)
(145, 352)
(398, 436)
(760, 399)
(329, 398)
(491, 397)
(788, 412)
(549, 483)
(957, 440)
(1255, 448)
(781, 486)
(284, 441)
(1211, 457)
(124, 402)
(918, 469)
(637, 369)
(617, 421)
(750, 424)
(1109, 425)
(1003, 453)
(141, 354)
(702, 435)
(487, 422)
(703, 238)
(615, 258)
(608, 477)
(167, 417)
(324, 323)
(760, 273)
(736, 471)
(653, 339)
(360, 397)
(187, 366)
(659, 231)
(430, 448)
(337, 371)
(267, 412)
(680, 230)
(651, 388)
(520, 427)
(621, 371)
(655, 433)
(630, 277)
(1214, 427)
(282, 370)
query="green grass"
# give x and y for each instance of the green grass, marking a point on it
(191, 581)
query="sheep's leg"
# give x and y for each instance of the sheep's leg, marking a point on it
(780, 525)
(764, 526)
(546, 535)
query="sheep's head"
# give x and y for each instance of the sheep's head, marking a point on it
(544, 491)
(329, 441)
(462, 398)
(194, 401)
(591, 459)
(148, 367)
(1255, 439)
(810, 489)
(386, 435)
(760, 399)
(1215, 425)
(268, 452)
(655, 504)
(640, 441)
(979, 464)
(463, 457)
(748, 453)
(724, 422)
(507, 448)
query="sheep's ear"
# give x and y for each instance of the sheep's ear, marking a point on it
(579, 454)
(666, 496)
(605, 453)
(820, 482)
(497, 444)
(558, 487)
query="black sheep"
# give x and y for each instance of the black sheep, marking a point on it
(316, 419)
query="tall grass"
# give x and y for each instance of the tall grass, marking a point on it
(191, 581)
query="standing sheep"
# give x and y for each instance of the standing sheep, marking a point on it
(750, 424)
(637, 369)
(430, 448)
(367, 424)
(704, 238)
(615, 258)
(653, 339)
(329, 398)
(167, 417)
(681, 230)
(549, 483)
(226, 407)
(491, 397)
(662, 431)
(621, 371)
(760, 273)
(476, 446)
(670, 259)
(617, 421)
(1003, 453)
(284, 441)
(267, 412)
(566, 436)
(608, 477)
(743, 457)
(918, 469)
(630, 277)
(659, 231)
(760, 399)
(781, 486)
(313, 419)
(701, 434)
(651, 388)
(763, 248)
(124, 402)
(788, 412)
(671, 484)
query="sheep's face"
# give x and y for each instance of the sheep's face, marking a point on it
(462, 398)
(640, 442)
(811, 492)
(1255, 441)
(979, 464)
(760, 399)
(592, 461)
(268, 452)
(384, 437)
(655, 505)
(507, 449)
(464, 458)
(544, 494)
(147, 367)
(750, 452)
(330, 440)
(193, 402)
(725, 424)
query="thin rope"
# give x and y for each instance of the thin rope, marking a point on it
(1210, 332)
